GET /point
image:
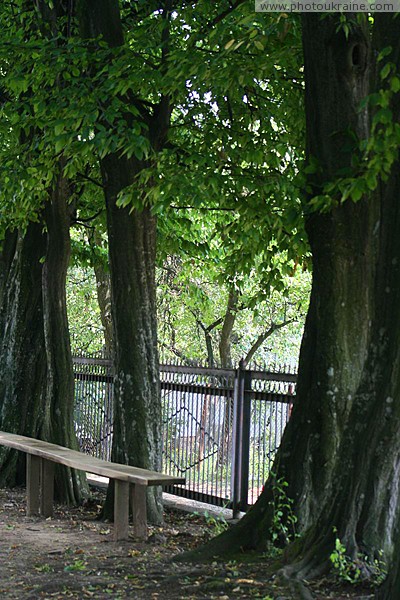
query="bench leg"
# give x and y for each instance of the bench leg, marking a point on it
(121, 510)
(139, 508)
(33, 467)
(47, 488)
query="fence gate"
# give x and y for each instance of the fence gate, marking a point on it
(221, 427)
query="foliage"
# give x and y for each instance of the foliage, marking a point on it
(235, 84)
(346, 569)
(352, 571)
(283, 524)
(218, 524)
(83, 312)
(224, 187)
(191, 299)
(372, 158)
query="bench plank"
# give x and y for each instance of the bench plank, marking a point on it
(130, 482)
(84, 462)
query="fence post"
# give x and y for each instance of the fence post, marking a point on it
(241, 439)
(244, 475)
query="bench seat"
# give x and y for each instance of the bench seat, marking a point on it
(130, 482)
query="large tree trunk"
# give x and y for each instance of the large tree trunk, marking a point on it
(363, 496)
(337, 331)
(132, 238)
(137, 405)
(36, 379)
(7, 254)
(22, 354)
(58, 425)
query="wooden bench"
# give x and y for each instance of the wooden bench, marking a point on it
(130, 482)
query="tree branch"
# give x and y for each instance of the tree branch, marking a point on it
(263, 336)
(185, 359)
(216, 208)
(92, 218)
(91, 179)
(224, 14)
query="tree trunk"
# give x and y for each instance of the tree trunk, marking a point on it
(226, 362)
(137, 406)
(227, 328)
(58, 425)
(22, 354)
(103, 289)
(337, 330)
(363, 504)
(360, 505)
(7, 254)
(132, 240)
(363, 496)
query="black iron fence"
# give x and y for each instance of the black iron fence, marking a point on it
(221, 427)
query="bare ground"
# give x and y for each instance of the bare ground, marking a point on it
(72, 555)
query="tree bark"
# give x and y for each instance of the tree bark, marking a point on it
(363, 496)
(343, 245)
(58, 423)
(361, 499)
(338, 326)
(22, 354)
(37, 385)
(132, 240)
(137, 405)
(103, 289)
(227, 328)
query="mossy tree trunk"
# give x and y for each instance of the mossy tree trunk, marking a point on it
(340, 451)
(22, 354)
(337, 329)
(58, 424)
(363, 497)
(36, 379)
(132, 243)
(137, 405)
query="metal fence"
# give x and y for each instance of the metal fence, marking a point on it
(221, 427)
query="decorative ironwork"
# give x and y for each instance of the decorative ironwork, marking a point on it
(221, 427)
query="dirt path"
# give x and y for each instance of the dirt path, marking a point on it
(73, 556)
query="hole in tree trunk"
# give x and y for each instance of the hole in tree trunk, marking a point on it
(358, 57)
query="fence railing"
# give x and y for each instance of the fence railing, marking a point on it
(221, 427)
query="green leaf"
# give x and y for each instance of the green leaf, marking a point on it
(386, 70)
(395, 84)
(229, 44)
